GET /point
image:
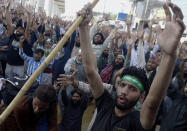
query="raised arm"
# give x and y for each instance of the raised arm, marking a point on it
(128, 28)
(150, 31)
(70, 80)
(92, 30)
(21, 53)
(168, 41)
(89, 59)
(9, 21)
(27, 31)
(130, 42)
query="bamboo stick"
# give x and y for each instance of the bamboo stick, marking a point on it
(29, 82)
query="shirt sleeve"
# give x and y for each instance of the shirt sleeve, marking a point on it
(140, 128)
(104, 102)
(84, 103)
(24, 56)
(64, 97)
(135, 122)
(86, 87)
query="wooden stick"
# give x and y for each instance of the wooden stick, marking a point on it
(29, 82)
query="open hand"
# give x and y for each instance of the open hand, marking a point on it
(66, 80)
(169, 39)
(86, 13)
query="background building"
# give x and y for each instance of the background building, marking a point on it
(51, 7)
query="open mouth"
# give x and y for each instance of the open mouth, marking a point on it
(122, 100)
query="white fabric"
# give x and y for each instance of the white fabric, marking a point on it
(134, 58)
(141, 56)
(71, 62)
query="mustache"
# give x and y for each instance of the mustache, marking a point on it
(124, 97)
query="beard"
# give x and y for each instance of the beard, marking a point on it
(18, 35)
(75, 102)
(77, 44)
(118, 66)
(104, 54)
(149, 69)
(129, 105)
(98, 42)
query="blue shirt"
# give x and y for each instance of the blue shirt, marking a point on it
(32, 64)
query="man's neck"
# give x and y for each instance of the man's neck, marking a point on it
(120, 113)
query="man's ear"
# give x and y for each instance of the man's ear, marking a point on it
(142, 98)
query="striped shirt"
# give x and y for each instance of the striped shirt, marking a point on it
(32, 64)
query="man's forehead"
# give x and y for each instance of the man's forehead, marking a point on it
(128, 83)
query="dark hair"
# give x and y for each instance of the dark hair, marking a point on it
(39, 51)
(139, 74)
(19, 25)
(102, 37)
(100, 34)
(78, 91)
(46, 93)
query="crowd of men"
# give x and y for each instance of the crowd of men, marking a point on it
(137, 77)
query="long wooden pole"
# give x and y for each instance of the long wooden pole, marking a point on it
(29, 82)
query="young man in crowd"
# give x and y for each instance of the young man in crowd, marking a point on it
(15, 65)
(26, 115)
(74, 109)
(120, 114)
(102, 62)
(33, 62)
(108, 74)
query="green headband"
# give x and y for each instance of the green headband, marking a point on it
(134, 81)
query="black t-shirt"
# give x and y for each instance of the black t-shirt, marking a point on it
(107, 121)
(13, 57)
(72, 119)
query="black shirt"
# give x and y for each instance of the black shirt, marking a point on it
(72, 119)
(3, 42)
(107, 121)
(13, 57)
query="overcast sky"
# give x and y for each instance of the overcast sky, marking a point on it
(114, 6)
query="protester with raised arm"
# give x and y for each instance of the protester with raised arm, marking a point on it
(120, 114)
(15, 65)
